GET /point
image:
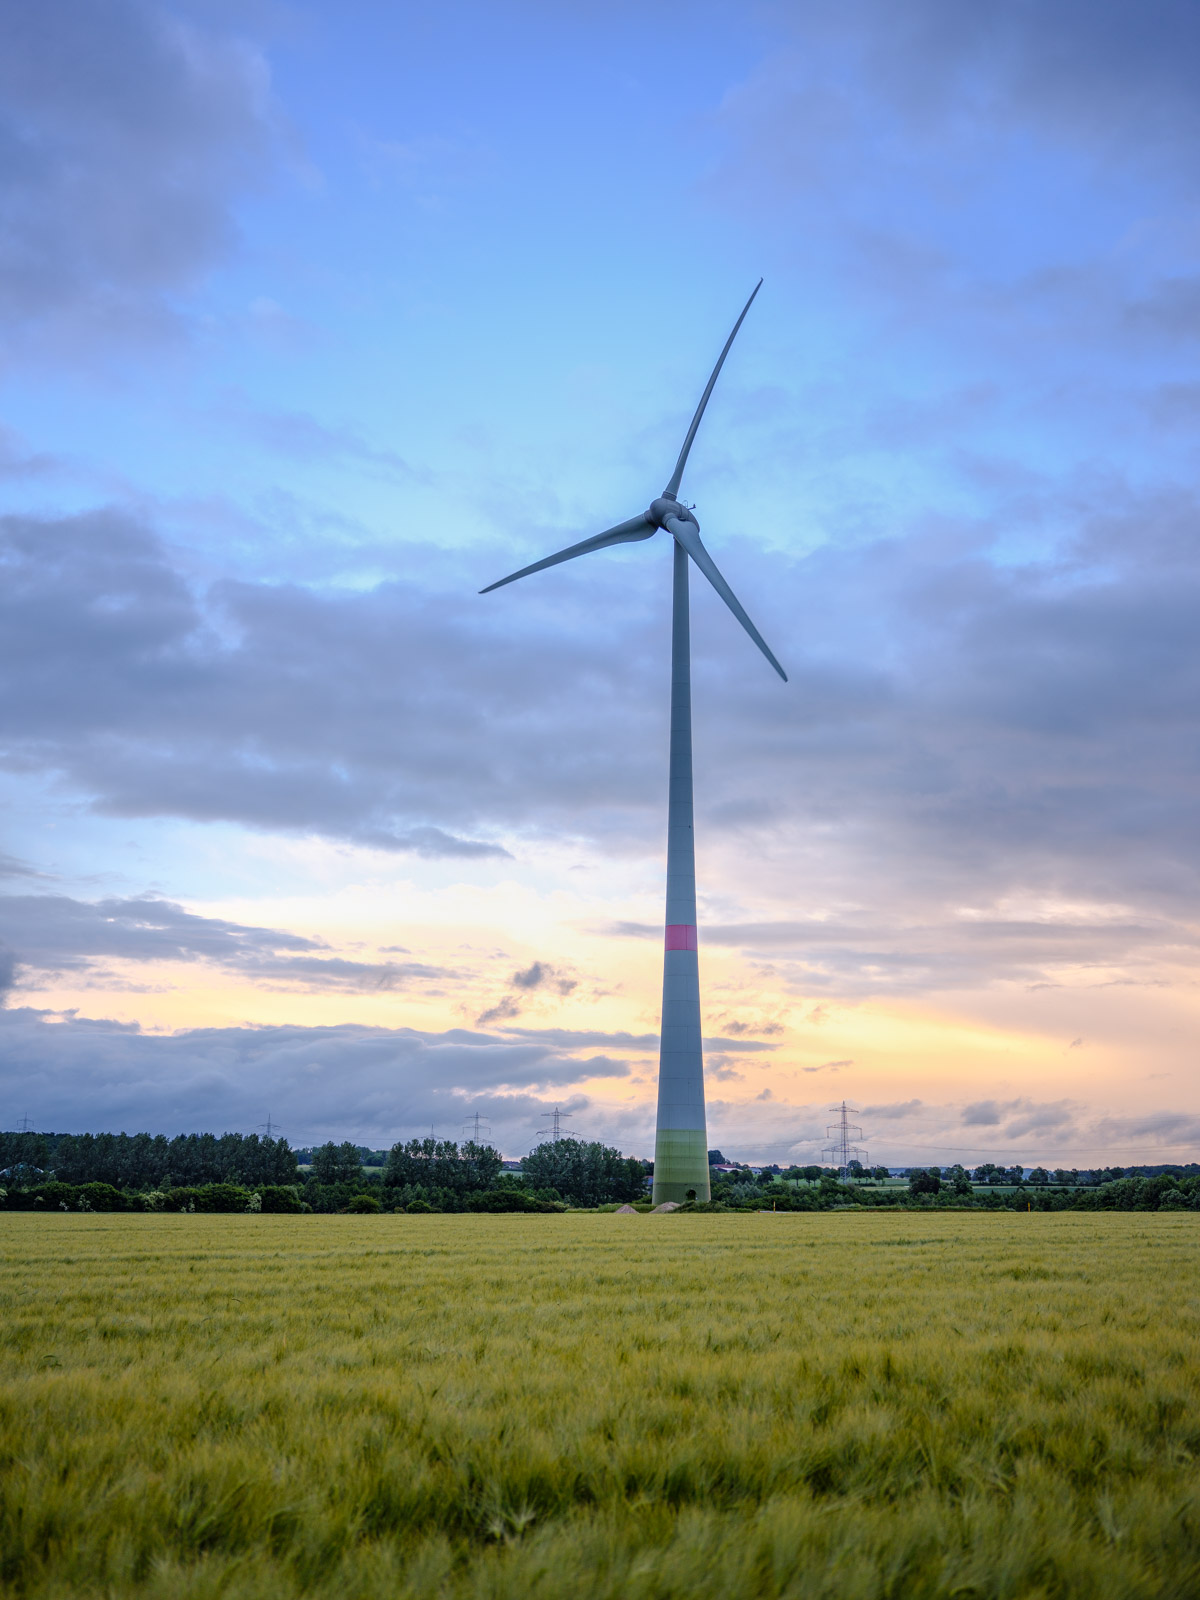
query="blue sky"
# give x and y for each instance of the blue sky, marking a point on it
(315, 319)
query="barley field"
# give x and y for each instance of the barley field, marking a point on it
(833, 1405)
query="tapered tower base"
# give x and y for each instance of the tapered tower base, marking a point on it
(681, 1165)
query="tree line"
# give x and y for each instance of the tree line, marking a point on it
(239, 1172)
(1175, 1189)
(236, 1171)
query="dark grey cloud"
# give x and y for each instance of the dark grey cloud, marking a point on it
(541, 975)
(1021, 1117)
(960, 728)
(54, 935)
(105, 589)
(128, 130)
(374, 1084)
(1170, 1127)
(982, 1114)
(538, 976)
(11, 867)
(897, 1110)
(1057, 1117)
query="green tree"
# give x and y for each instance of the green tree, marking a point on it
(922, 1182)
(440, 1164)
(337, 1163)
(586, 1173)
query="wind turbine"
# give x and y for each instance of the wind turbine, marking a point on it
(681, 1139)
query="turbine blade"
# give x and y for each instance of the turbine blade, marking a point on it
(673, 487)
(639, 527)
(686, 534)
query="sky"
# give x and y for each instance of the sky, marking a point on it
(317, 318)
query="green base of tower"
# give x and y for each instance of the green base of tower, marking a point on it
(680, 1165)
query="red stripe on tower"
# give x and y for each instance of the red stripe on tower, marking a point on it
(681, 936)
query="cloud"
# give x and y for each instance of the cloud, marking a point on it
(11, 867)
(1017, 740)
(1172, 310)
(898, 1110)
(585, 1038)
(737, 1029)
(1056, 1117)
(18, 464)
(54, 935)
(1172, 1128)
(503, 1009)
(157, 730)
(373, 1084)
(982, 1114)
(129, 131)
(1021, 1116)
(299, 436)
(540, 975)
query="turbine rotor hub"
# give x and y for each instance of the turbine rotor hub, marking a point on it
(667, 506)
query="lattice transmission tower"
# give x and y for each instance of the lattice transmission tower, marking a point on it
(558, 1120)
(477, 1131)
(841, 1147)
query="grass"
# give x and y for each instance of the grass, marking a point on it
(861, 1406)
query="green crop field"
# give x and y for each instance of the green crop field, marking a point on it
(813, 1405)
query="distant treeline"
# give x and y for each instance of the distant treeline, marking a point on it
(989, 1173)
(243, 1172)
(931, 1189)
(239, 1172)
